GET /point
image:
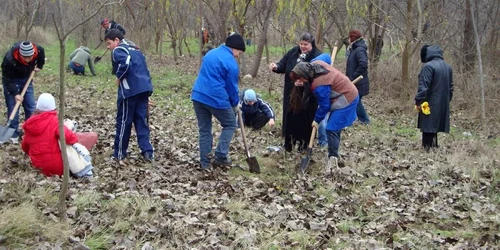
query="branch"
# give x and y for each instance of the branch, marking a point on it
(91, 16)
(57, 29)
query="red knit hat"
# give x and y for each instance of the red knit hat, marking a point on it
(354, 34)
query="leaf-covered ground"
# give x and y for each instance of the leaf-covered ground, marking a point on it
(390, 194)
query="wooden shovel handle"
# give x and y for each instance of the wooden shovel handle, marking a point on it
(242, 127)
(334, 53)
(357, 80)
(18, 104)
(313, 135)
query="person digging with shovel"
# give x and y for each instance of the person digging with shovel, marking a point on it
(336, 94)
(18, 63)
(215, 93)
(134, 85)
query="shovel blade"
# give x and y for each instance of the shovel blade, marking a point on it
(303, 164)
(6, 133)
(253, 165)
(97, 59)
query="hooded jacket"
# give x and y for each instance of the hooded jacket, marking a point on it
(14, 67)
(435, 85)
(81, 56)
(217, 81)
(40, 142)
(357, 65)
(249, 112)
(132, 70)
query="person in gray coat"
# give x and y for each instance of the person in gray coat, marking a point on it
(435, 86)
(78, 60)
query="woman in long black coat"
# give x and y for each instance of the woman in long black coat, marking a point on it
(296, 123)
(435, 86)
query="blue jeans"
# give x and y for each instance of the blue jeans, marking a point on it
(227, 120)
(29, 103)
(361, 112)
(77, 70)
(322, 138)
(333, 142)
(132, 110)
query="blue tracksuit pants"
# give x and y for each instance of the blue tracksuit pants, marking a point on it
(132, 110)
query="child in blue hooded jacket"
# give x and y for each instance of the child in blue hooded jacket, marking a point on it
(256, 113)
(134, 88)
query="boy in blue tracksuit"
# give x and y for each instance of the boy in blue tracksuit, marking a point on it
(134, 88)
(256, 113)
(215, 93)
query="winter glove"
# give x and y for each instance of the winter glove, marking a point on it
(236, 108)
(315, 125)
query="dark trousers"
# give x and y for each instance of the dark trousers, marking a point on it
(333, 138)
(258, 121)
(29, 103)
(132, 110)
(429, 140)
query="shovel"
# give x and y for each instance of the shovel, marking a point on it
(7, 132)
(253, 164)
(359, 78)
(305, 161)
(98, 58)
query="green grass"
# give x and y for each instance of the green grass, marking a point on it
(20, 224)
(100, 240)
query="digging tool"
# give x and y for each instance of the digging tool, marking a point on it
(98, 58)
(334, 53)
(253, 164)
(359, 78)
(7, 132)
(305, 161)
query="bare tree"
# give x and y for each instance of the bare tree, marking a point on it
(63, 36)
(480, 62)
(262, 37)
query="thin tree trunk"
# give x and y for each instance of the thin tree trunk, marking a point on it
(480, 62)
(262, 42)
(405, 60)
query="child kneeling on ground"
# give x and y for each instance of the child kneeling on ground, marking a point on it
(256, 113)
(41, 142)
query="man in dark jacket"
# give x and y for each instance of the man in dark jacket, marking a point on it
(357, 65)
(134, 88)
(108, 25)
(17, 65)
(435, 86)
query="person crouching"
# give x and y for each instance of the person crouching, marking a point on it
(41, 140)
(256, 113)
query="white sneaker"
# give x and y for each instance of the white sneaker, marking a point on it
(14, 140)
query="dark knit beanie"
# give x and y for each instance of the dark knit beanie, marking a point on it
(26, 49)
(354, 34)
(235, 41)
